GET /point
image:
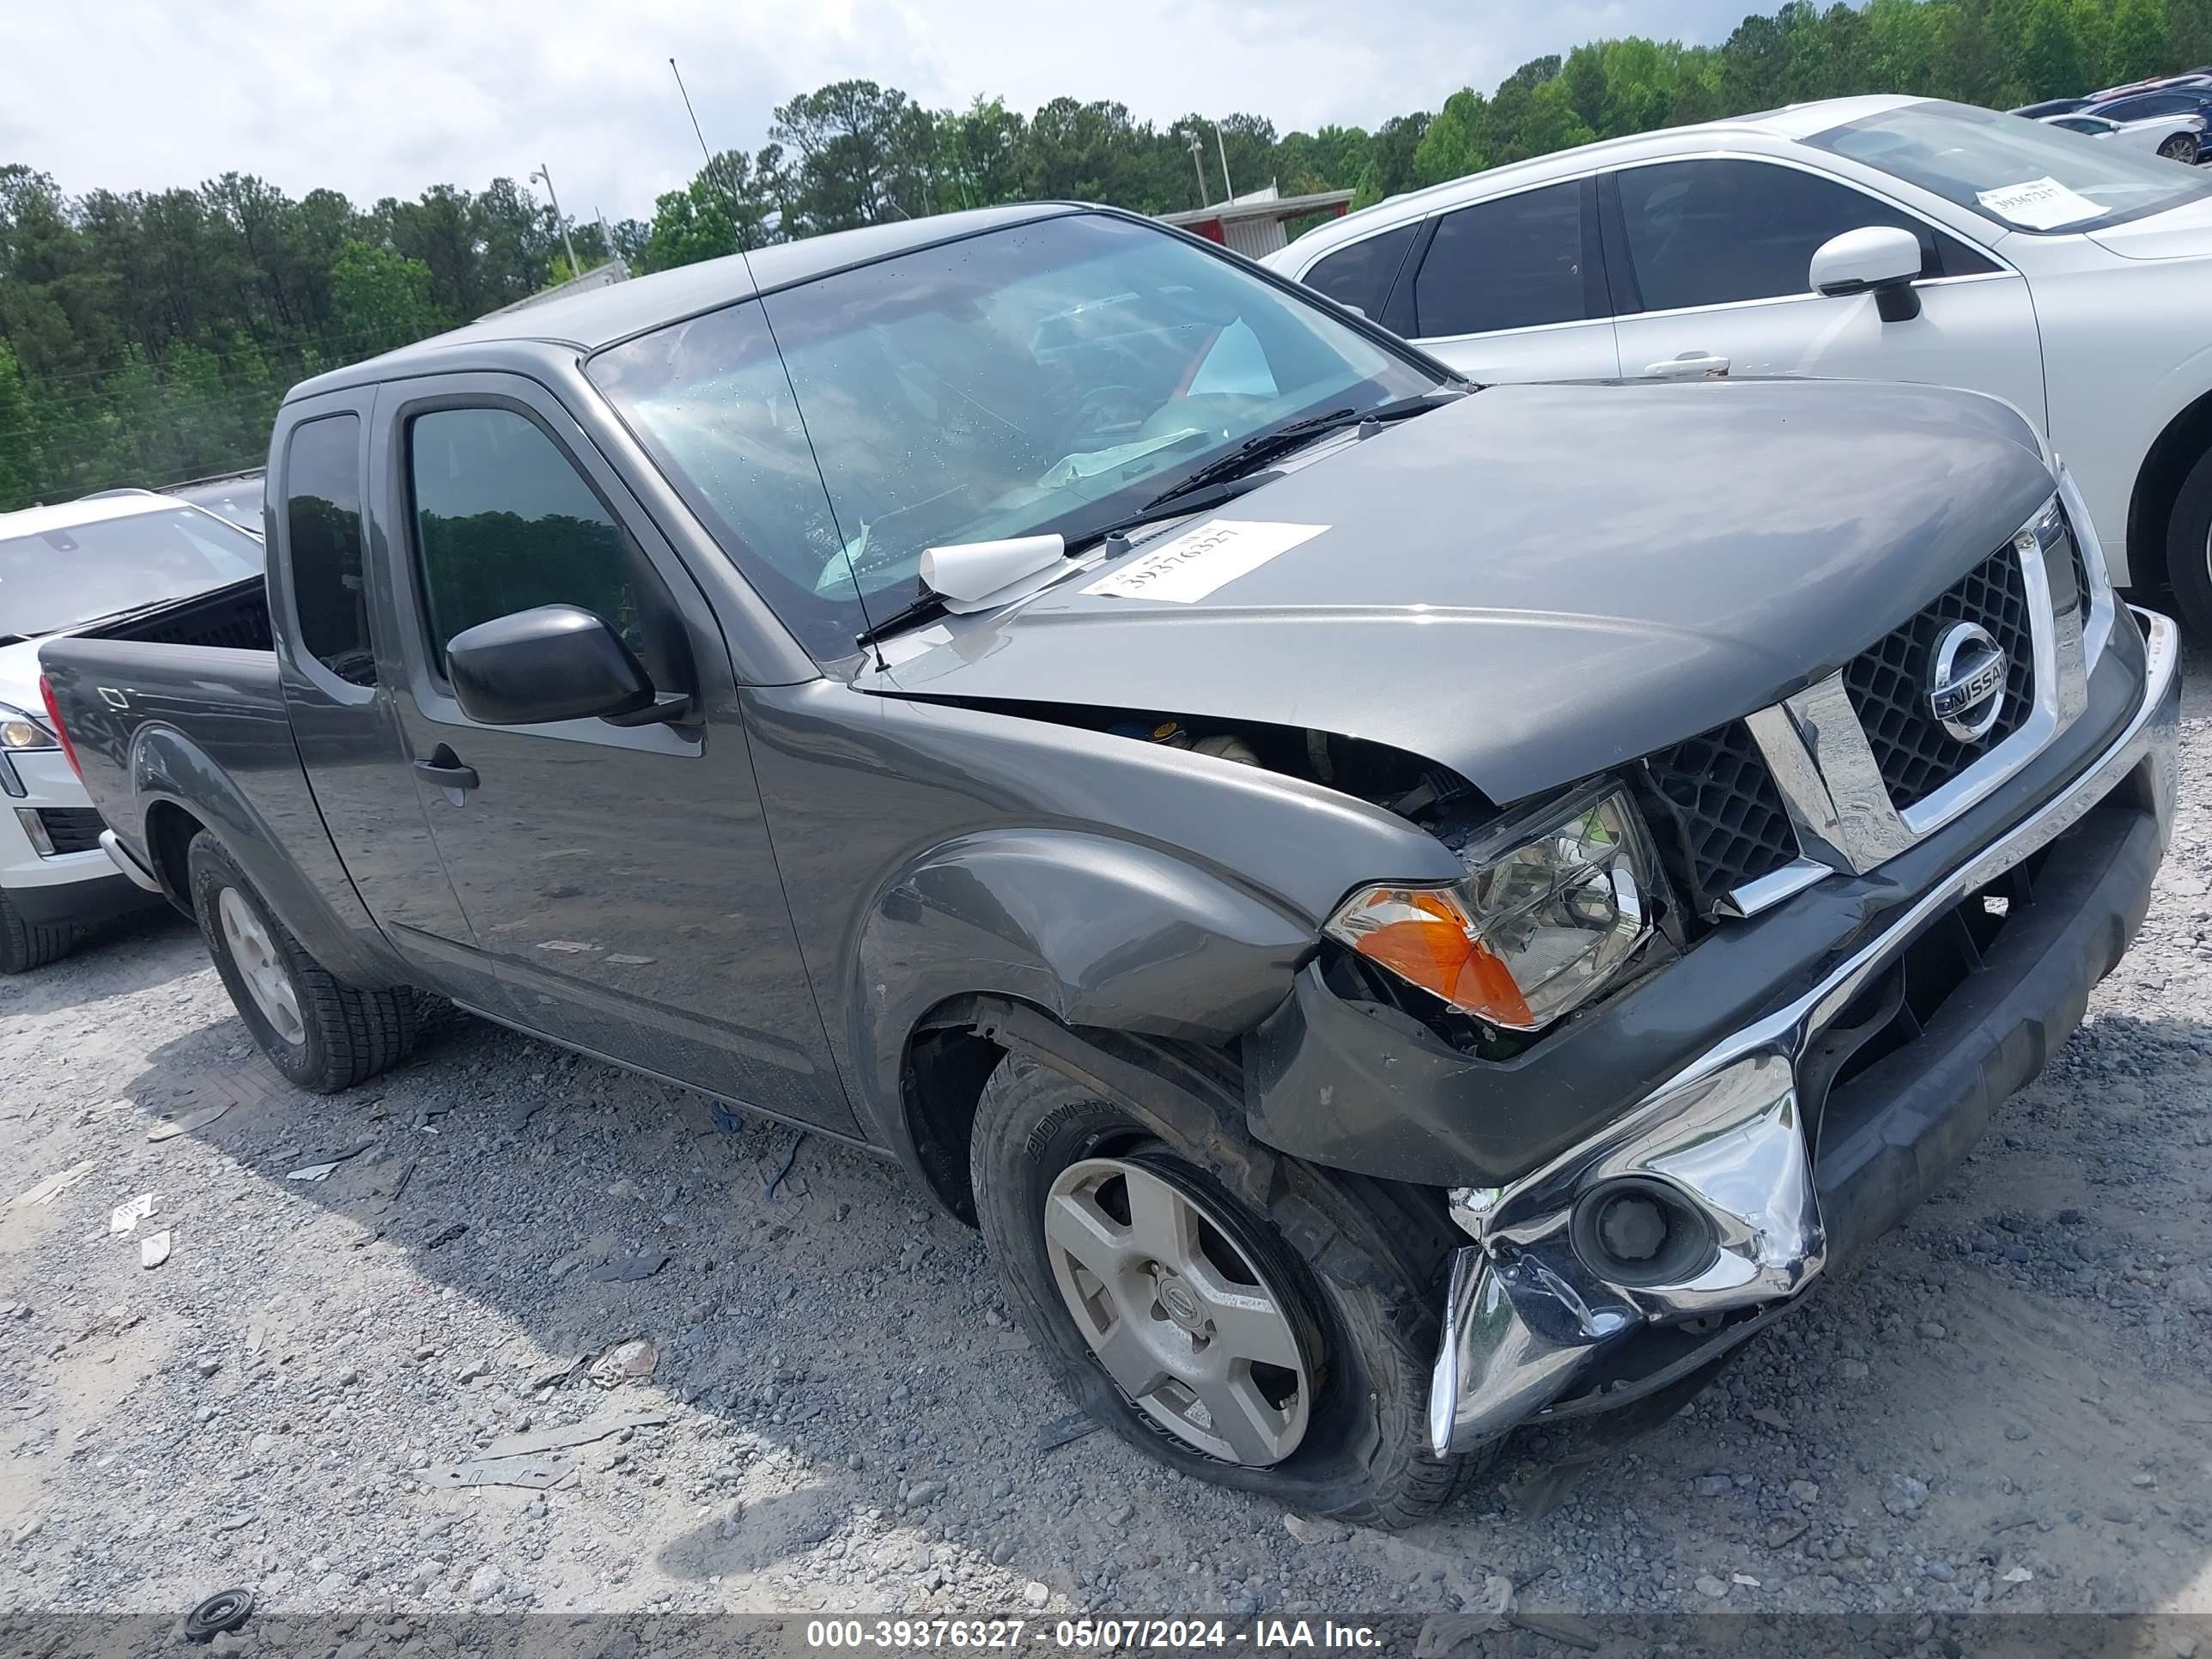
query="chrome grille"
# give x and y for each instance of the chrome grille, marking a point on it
(1724, 823)
(1888, 683)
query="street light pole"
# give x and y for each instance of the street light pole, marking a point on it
(1198, 165)
(575, 269)
(1227, 190)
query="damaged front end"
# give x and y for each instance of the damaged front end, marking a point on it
(1645, 1251)
(1700, 1202)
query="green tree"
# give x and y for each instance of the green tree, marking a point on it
(21, 463)
(2137, 45)
(385, 297)
(2049, 61)
(1447, 149)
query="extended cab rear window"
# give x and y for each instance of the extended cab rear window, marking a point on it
(322, 541)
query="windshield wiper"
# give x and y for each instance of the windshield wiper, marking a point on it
(922, 606)
(1174, 504)
(1257, 451)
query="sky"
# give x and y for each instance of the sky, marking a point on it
(387, 97)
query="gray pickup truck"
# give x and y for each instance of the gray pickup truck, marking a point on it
(1398, 909)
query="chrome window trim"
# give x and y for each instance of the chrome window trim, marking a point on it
(1810, 293)
(1507, 333)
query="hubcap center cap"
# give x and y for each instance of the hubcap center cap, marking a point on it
(1182, 1304)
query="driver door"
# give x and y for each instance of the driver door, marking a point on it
(1710, 260)
(617, 883)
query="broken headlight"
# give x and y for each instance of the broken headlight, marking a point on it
(1555, 901)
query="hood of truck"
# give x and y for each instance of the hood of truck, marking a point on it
(1536, 583)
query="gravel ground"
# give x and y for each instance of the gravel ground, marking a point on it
(2006, 1408)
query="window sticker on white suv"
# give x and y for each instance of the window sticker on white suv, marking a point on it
(2039, 204)
(1199, 561)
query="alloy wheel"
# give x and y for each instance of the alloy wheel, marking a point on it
(268, 981)
(1176, 1311)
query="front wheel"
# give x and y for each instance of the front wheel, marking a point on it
(1179, 1317)
(322, 1034)
(2183, 147)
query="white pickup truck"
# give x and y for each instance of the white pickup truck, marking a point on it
(62, 568)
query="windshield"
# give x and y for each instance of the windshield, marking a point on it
(2026, 175)
(238, 500)
(1050, 377)
(55, 579)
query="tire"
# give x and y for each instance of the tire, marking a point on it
(2189, 548)
(25, 945)
(340, 1033)
(2183, 147)
(1360, 1453)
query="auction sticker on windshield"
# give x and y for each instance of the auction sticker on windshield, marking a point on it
(2038, 204)
(1199, 561)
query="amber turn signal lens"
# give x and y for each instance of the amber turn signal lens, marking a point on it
(1421, 934)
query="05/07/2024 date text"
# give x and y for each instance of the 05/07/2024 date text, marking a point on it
(1100, 1634)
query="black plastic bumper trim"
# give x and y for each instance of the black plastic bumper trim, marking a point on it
(95, 898)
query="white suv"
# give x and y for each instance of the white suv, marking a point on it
(62, 568)
(1895, 239)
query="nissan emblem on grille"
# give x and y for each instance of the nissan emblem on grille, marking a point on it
(1967, 682)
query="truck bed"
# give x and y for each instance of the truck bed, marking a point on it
(179, 721)
(205, 668)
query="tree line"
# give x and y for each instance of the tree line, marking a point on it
(146, 337)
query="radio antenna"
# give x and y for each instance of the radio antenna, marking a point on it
(736, 224)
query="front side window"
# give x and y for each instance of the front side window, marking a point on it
(1050, 377)
(1362, 275)
(504, 522)
(1720, 232)
(322, 541)
(2021, 175)
(77, 573)
(1513, 263)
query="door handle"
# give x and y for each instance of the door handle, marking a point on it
(1690, 366)
(444, 768)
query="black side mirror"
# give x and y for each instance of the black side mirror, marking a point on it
(553, 663)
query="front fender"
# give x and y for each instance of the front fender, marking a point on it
(274, 834)
(1097, 931)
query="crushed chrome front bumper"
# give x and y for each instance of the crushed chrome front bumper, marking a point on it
(1724, 1142)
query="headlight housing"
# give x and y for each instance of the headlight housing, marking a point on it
(19, 731)
(1556, 901)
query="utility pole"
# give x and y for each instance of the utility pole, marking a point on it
(1227, 190)
(1198, 165)
(575, 269)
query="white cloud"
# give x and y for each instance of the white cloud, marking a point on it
(380, 98)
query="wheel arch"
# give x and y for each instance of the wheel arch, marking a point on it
(183, 791)
(1085, 931)
(2181, 443)
(1185, 1091)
